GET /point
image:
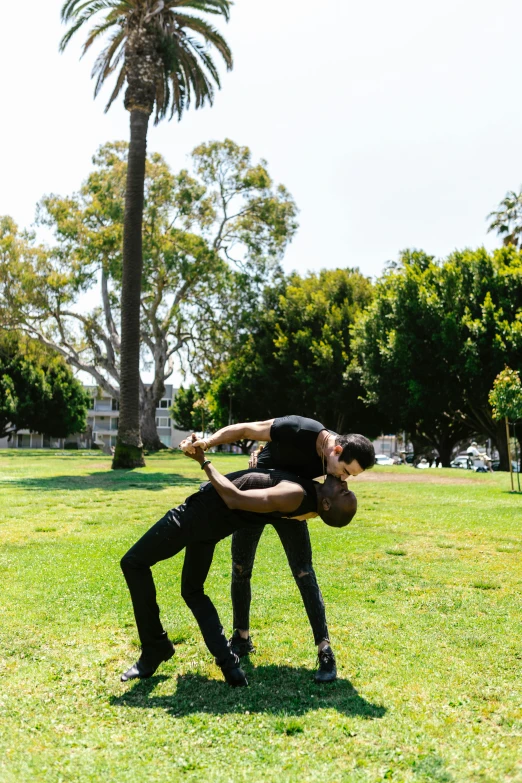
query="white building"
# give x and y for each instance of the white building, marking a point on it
(102, 425)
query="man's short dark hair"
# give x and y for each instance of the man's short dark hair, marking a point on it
(341, 516)
(356, 447)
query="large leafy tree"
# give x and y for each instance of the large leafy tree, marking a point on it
(435, 337)
(212, 238)
(488, 288)
(295, 356)
(407, 346)
(183, 411)
(162, 56)
(38, 391)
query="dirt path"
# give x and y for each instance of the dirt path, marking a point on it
(419, 476)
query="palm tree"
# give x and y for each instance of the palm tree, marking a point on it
(161, 53)
(507, 220)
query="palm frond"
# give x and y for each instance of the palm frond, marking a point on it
(99, 30)
(71, 31)
(178, 95)
(162, 98)
(73, 8)
(120, 81)
(209, 33)
(201, 53)
(108, 60)
(91, 8)
(220, 7)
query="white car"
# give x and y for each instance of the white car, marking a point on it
(383, 459)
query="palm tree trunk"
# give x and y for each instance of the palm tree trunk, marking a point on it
(129, 448)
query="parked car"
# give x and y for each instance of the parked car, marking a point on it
(383, 459)
(462, 461)
(496, 465)
(468, 463)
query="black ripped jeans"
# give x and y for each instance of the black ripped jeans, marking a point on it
(188, 526)
(295, 539)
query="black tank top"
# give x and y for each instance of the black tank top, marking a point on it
(260, 478)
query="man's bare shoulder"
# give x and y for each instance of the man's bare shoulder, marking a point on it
(290, 494)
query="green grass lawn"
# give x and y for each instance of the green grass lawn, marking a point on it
(423, 597)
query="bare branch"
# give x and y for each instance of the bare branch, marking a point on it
(74, 360)
(109, 320)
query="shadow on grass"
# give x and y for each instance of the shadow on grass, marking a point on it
(110, 480)
(273, 690)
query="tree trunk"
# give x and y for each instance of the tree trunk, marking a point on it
(420, 447)
(499, 439)
(129, 447)
(445, 449)
(149, 431)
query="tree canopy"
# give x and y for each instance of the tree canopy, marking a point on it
(296, 354)
(38, 391)
(159, 50)
(434, 338)
(212, 239)
(190, 410)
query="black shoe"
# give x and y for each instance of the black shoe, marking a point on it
(233, 673)
(240, 646)
(235, 677)
(148, 663)
(327, 671)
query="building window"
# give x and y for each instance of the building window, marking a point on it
(91, 403)
(165, 403)
(163, 422)
(115, 405)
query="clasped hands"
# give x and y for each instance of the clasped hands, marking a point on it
(196, 452)
(190, 444)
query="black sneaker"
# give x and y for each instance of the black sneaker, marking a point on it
(240, 646)
(148, 662)
(233, 673)
(235, 677)
(327, 671)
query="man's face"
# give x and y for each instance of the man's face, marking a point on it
(342, 470)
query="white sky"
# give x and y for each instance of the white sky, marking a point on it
(393, 124)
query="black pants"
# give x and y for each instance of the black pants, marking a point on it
(296, 542)
(177, 529)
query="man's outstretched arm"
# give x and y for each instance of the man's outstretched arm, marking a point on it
(253, 430)
(285, 496)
